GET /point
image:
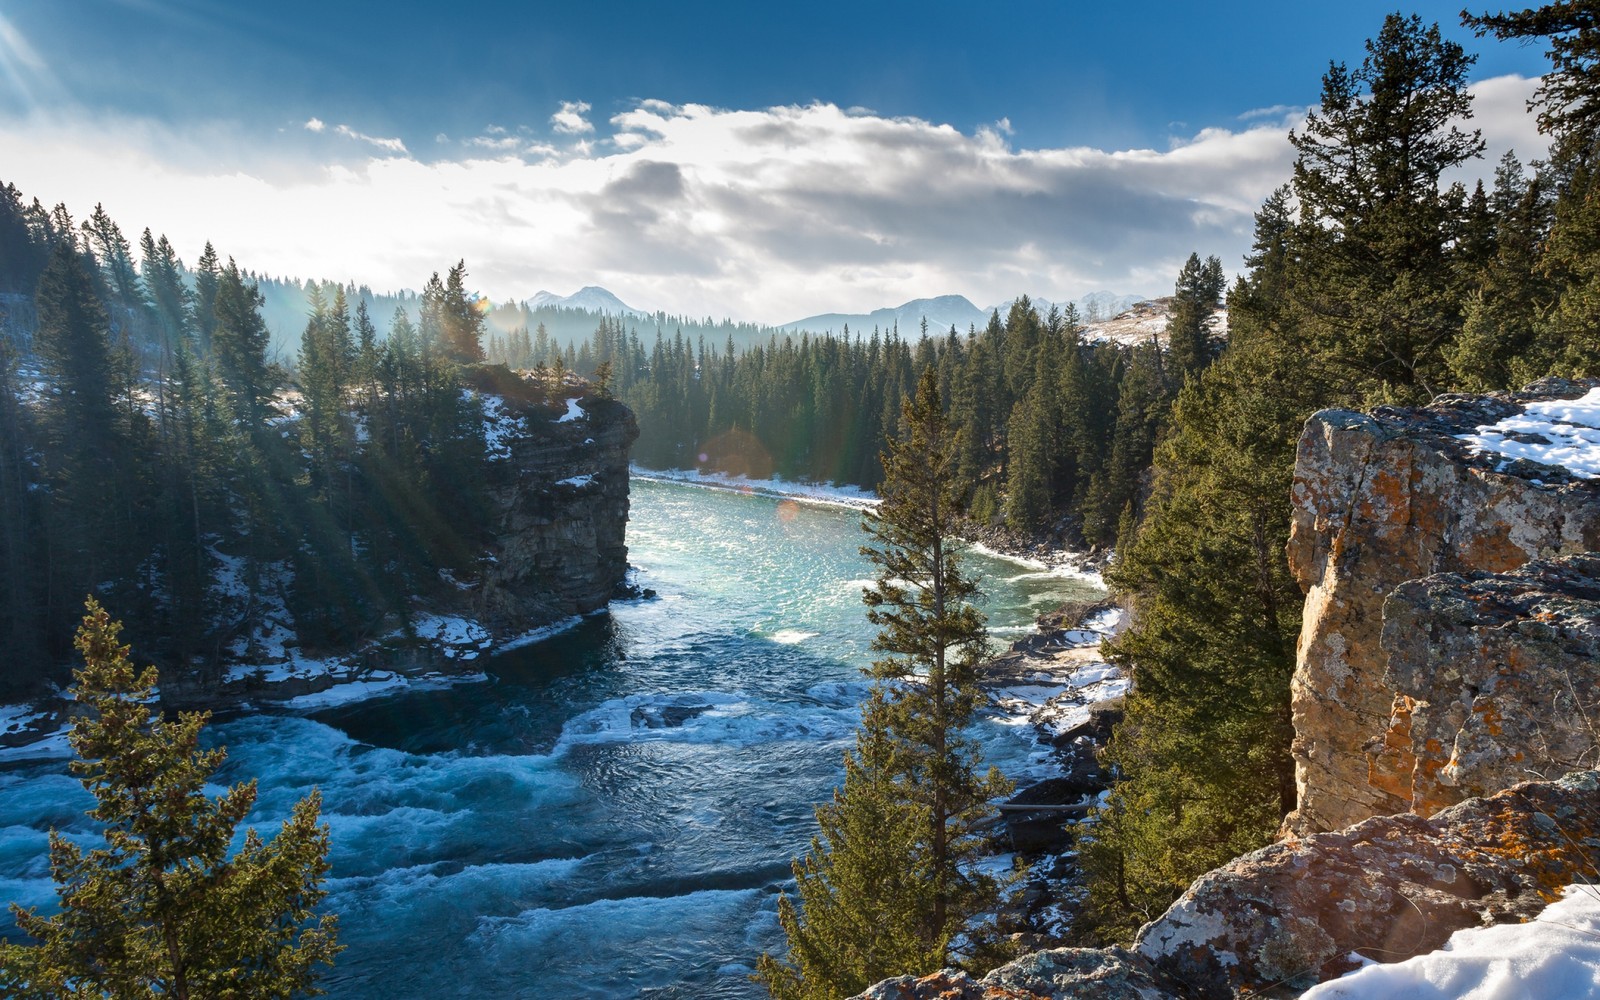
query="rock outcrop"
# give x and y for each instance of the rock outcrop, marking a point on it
(1495, 678)
(1296, 913)
(559, 503)
(1380, 500)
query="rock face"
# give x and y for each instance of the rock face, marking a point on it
(1496, 678)
(560, 513)
(1389, 887)
(1294, 913)
(1380, 500)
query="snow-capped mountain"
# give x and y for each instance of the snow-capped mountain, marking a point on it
(590, 297)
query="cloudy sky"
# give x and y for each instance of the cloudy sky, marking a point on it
(758, 160)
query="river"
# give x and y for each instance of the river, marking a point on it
(612, 812)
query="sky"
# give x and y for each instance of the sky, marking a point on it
(759, 160)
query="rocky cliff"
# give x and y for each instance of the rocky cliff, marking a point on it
(1380, 500)
(1495, 679)
(558, 487)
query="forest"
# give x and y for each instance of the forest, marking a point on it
(149, 449)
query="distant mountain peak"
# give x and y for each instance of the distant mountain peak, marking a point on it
(941, 311)
(591, 298)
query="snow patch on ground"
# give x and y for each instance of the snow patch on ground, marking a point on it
(574, 412)
(376, 685)
(1557, 954)
(1059, 694)
(1560, 432)
(819, 493)
(16, 718)
(1061, 563)
(460, 637)
(52, 747)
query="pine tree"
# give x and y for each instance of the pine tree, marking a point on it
(935, 640)
(207, 281)
(862, 887)
(239, 340)
(1377, 281)
(889, 878)
(461, 323)
(161, 909)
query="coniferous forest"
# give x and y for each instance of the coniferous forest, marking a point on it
(149, 446)
(142, 431)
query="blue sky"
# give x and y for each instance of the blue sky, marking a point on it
(759, 159)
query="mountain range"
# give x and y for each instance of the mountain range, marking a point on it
(941, 312)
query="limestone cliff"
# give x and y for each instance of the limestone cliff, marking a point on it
(559, 500)
(1380, 500)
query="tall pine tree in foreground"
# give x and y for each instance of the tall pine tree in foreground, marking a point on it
(888, 885)
(162, 910)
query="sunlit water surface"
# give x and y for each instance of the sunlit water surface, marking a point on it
(613, 812)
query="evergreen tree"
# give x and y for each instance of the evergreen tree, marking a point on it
(207, 282)
(935, 640)
(161, 909)
(1377, 280)
(239, 340)
(1196, 297)
(889, 879)
(863, 885)
(461, 323)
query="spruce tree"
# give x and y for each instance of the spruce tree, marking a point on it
(162, 909)
(863, 885)
(934, 639)
(1377, 284)
(890, 879)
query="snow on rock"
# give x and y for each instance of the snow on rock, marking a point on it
(460, 638)
(576, 482)
(1560, 432)
(1555, 955)
(19, 718)
(574, 412)
(500, 428)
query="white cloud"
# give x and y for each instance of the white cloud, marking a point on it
(501, 142)
(390, 145)
(767, 214)
(569, 120)
(315, 125)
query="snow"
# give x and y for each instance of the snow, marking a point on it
(461, 638)
(53, 747)
(818, 493)
(1560, 432)
(500, 428)
(1060, 695)
(574, 412)
(577, 482)
(1556, 955)
(1061, 563)
(16, 718)
(541, 634)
